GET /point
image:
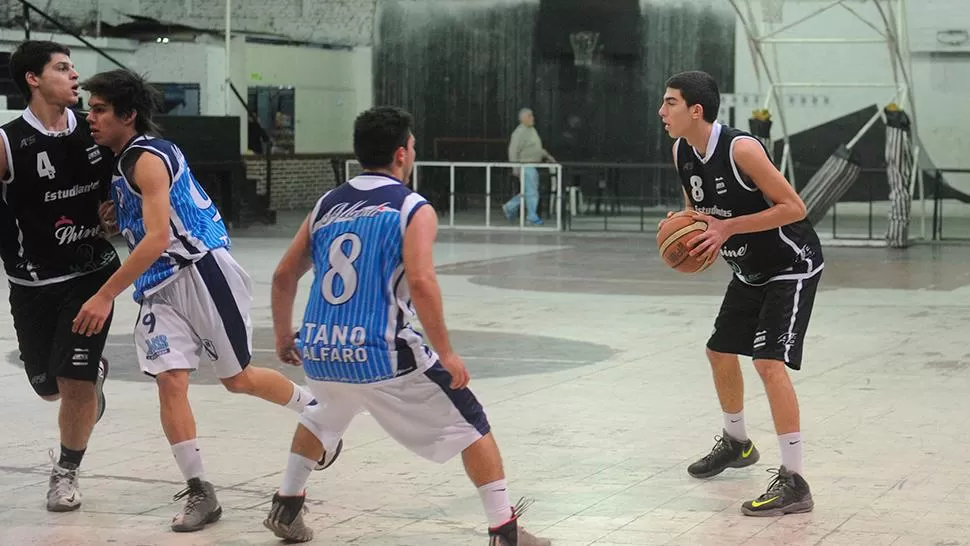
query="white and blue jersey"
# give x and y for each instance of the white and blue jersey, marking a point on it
(195, 225)
(357, 323)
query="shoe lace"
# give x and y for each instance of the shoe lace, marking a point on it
(521, 506)
(64, 480)
(776, 486)
(721, 444)
(196, 495)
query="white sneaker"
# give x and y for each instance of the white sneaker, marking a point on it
(62, 494)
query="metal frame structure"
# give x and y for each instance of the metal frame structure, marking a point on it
(488, 166)
(894, 34)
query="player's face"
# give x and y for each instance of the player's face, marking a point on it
(408, 159)
(58, 82)
(675, 113)
(107, 129)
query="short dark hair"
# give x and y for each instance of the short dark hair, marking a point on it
(127, 92)
(32, 56)
(698, 87)
(378, 133)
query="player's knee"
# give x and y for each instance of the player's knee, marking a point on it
(720, 359)
(74, 389)
(172, 383)
(239, 384)
(771, 370)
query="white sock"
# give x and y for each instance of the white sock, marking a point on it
(495, 498)
(791, 451)
(298, 471)
(299, 399)
(189, 459)
(734, 426)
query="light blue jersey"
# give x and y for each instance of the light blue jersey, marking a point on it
(195, 226)
(357, 323)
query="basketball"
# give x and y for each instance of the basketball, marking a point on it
(672, 240)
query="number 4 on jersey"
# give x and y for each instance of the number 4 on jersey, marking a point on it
(44, 167)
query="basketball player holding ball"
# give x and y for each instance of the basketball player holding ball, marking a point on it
(756, 221)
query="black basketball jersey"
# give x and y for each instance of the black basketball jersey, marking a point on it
(716, 187)
(49, 226)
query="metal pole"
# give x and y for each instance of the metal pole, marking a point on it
(228, 56)
(488, 196)
(451, 197)
(26, 21)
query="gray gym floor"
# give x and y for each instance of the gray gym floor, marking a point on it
(588, 356)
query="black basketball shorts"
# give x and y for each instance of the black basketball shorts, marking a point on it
(43, 317)
(767, 322)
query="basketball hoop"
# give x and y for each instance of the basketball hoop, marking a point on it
(584, 45)
(771, 11)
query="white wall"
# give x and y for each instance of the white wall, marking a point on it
(939, 84)
(331, 88)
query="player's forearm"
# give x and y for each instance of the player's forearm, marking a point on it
(778, 215)
(283, 294)
(141, 258)
(426, 297)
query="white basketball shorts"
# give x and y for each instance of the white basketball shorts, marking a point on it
(419, 410)
(204, 311)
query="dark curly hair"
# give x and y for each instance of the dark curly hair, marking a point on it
(378, 133)
(127, 92)
(31, 57)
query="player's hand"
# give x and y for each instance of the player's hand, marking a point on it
(456, 367)
(92, 316)
(109, 223)
(671, 214)
(287, 352)
(708, 243)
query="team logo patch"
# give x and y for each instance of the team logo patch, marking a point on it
(156, 347)
(210, 349)
(94, 154)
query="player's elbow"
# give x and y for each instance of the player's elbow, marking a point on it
(284, 277)
(156, 242)
(422, 286)
(798, 210)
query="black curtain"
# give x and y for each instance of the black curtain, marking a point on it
(464, 68)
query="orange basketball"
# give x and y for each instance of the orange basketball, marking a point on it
(672, 239)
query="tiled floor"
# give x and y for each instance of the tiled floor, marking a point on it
(588, 355)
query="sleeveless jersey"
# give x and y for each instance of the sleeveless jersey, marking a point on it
(49, 226)
(195, 225)
(357, 323)
(716, 187)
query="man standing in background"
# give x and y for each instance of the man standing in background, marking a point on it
(525, 146)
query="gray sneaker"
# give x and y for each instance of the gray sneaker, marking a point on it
(510, 534)
(201, 508)
(99, 386)
(285, 519)
(62, 493)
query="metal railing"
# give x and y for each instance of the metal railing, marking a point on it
(633, 197)
(460, 204)
(945, 196)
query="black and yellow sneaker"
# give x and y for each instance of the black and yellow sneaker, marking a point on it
(727, 453)
(788, 493)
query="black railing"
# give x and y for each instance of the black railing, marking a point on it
(945, 195)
